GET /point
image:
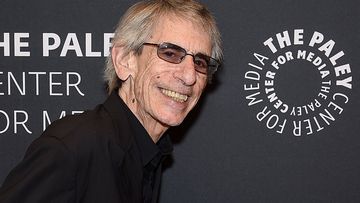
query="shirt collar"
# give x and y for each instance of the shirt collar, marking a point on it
(148, 149)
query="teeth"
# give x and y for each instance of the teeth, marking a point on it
(175, 95)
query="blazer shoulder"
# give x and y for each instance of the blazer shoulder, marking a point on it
(92, 132)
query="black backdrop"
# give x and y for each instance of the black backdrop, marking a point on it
(286, 132)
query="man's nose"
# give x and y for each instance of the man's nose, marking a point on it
(187, 72)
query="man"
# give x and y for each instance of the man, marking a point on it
(164, 53)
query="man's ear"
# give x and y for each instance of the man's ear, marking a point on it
(122, 63)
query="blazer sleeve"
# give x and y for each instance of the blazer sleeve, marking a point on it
(46, 174)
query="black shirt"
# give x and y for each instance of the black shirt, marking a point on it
(152, 156)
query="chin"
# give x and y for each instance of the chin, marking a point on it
(171, 122)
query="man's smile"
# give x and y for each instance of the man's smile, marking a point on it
(175, 95)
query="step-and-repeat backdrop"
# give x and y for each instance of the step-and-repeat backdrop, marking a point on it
(280, 123)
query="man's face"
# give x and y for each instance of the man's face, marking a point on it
(166, 92)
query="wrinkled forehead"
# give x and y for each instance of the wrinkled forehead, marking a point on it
(183, 31)
(198, 22)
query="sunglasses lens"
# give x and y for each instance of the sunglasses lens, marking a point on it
(171, 53)
(175, 54)
(213, 65)
(201, 63)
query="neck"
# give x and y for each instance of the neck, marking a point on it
(154, 128)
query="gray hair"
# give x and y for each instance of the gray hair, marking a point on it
(137, 24)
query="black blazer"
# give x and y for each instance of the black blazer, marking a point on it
(90, 157)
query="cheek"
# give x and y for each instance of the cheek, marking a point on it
(199, 90)
(145, 87)
(200, 85)
(145, 71)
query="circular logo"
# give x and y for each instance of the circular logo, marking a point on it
(298, 83)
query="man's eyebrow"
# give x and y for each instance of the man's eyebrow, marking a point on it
(203, 53)
(198, 52)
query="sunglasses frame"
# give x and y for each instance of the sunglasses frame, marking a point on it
(211, 63)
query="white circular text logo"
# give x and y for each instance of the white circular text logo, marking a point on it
(298, 83)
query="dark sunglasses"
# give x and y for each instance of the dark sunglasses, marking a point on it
(175, 54)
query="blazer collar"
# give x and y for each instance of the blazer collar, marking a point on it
(116, 108)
